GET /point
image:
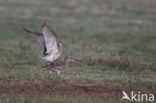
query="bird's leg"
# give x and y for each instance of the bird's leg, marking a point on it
(58, 73)
(50, 73)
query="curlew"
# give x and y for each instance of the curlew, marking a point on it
(60, 66)
(49, 42)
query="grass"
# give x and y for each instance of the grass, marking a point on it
(115, 40)
(49, 99)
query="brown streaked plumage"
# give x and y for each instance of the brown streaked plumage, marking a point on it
(60, 66)
(49, 42)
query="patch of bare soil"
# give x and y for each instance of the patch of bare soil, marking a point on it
(47, 88)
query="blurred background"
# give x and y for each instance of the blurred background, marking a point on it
(114, 38)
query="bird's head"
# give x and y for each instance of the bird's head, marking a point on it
(60, 44)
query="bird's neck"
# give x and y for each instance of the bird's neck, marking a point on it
(59, 48)
(66, 61)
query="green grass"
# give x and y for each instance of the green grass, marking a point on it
(115, 40)
(56, 99)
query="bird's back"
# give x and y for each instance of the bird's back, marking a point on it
(57, 65)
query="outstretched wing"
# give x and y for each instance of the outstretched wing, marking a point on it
(50, 39)
(39, 37)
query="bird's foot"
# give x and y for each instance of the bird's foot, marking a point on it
(50, 73)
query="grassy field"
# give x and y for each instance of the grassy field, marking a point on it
(115, 39)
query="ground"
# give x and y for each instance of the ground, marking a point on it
(115, 39)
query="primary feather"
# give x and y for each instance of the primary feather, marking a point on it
(39, 37)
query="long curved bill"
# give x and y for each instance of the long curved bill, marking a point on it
(75, 59)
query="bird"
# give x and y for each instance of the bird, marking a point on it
(48, 40)
(59, 66)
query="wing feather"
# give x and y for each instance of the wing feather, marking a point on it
(39, 37)
(50, 39)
